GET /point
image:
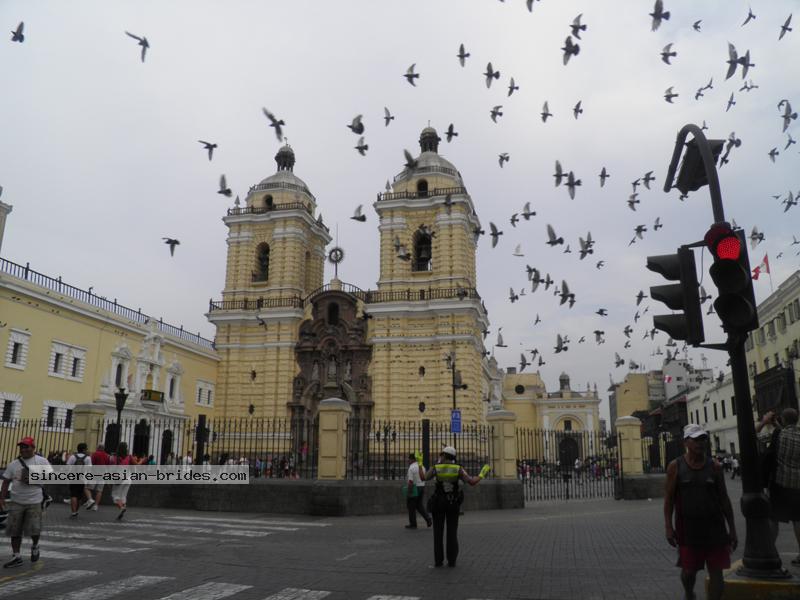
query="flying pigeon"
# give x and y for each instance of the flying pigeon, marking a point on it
(142, 42)
(577, 110)
(668, 53)
(411, 76)
(223, 187)
(788, 116)
(785, 28)
(462, 55)
(572, 183)
(577, 27)
(648, 177)
(171, 243)
(356, 126)
(669, 95)
(658, 14)
(18, 36)
(496, 112)
(603, 312)
(518, 251)
(361, 146)
(750, 16)
(603, 176)
(523, 362)
(208, 146)
(504, 157)
(570, 49)
(387, 116)
(276, 123)
(552, 240)
(559, 174)
(639, 297)
(491, 74)
(411, 162)
(696, 25)
(450, 133)
(526, 211)
(494, 233)
(500, 343)
(512, 87)
(546, 112)
(357, 216)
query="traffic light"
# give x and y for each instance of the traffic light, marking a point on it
(735, 303)
(678, 296)
(692, 175)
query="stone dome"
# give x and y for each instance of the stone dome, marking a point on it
(284, 177)
(429, 159)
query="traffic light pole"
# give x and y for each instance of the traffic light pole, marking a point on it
(708, 164)
(760, 558)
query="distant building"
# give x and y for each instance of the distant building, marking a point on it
(713, 406)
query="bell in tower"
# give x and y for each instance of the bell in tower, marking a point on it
(285, 158)
(429, 140)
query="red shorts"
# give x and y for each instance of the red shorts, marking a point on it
(694, 558)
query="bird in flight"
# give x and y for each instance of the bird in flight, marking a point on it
(450, 133)
(657, 225)
(462, 55)
(223, 187)
(559, 174)
(491, 74)
(669, 94)
(572, 183)
(361, 146)
(276, 123)
(773, 153)
(527, 213)
(788, 116)
(496, 112)
(387, 116)
(696, 25)
(208, 146)
(358, 216)
(411, 76)
(785, 28)
(504, 157)
(648, 177)
(546, 112)
(658, 15)
(142, 42)
(602, 312)
(356, 126)
(633, 201)
(603, 176)
(18, 34)
(171, 243)
(639, 297)
(552, 240)
(577, 110)
(495, 233)
(750, 16)
(570, 49)
(731, 102)
(668, 53)
(512, 87)
(577, 27)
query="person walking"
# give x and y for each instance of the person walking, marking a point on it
(119, 491)
(734, 468)
(784, 485)
(94, 489)
(446, 502)
(695, 492)
(25, 502)
(76, 490)
(415, 493)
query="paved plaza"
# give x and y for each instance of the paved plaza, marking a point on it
(550, 550)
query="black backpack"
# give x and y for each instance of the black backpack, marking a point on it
(80, 459)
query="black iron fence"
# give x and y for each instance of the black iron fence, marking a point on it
(379, 449)
(52, 439)
(659, 451)
(273, 448)
(559, 465)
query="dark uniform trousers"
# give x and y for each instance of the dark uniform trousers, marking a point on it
(444, 515)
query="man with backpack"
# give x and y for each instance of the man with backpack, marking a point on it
(76, 495)
(26, 501)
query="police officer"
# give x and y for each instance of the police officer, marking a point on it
(446, 501)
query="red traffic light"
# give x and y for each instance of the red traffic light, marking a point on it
(723, 243)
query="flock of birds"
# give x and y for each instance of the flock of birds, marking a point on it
(539, 279)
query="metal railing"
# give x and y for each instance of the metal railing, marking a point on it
(279, 185)
(260, 210)
(366, 296)
(559, 465)
(273, 448)
(429, 169)
(422, 194)
(659, 451)
(379, 449)
(137, 316)
(51, 440)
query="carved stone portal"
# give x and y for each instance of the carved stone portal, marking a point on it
(333, 357)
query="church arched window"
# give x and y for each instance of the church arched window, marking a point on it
(422, 188)
(333, 313)
(422, 252)
(118, 376)
(262, 263)
(268, 203)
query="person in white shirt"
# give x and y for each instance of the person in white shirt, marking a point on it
(25, 502)
(76, 492)
(415, 493)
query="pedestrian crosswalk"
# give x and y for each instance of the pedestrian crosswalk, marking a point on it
(142, 586)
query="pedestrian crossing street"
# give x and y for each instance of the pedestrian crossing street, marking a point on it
(139, 584)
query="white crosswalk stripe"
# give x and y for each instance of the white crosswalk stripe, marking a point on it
(91, 527)
(393, 598)
(112, 588)
(71, 535)
(211, 522)
(254, 521)
(31, 583)
(74, 546)
(230, 532)
(298, 594)
(214, 590)
(54, 554)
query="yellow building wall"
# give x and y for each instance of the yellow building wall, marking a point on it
(48, 316)
(632, 394)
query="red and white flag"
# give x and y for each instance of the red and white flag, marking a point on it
(762, 268)
(667, 378)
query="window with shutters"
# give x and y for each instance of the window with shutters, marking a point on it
(17, 350)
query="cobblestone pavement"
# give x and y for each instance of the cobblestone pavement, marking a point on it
(549, 550)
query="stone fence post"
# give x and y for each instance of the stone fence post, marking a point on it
(629, 432)
(332, 461)
(504, 443)
(87, 425)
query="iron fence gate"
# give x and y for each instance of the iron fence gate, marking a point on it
(562, 465)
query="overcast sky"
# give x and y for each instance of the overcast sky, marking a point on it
(100, 159)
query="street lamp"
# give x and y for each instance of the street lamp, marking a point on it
(121, 397)
(456, 381)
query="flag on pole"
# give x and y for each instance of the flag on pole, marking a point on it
(762, 268)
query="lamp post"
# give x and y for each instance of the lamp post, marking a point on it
(455, 383)
(121, 397)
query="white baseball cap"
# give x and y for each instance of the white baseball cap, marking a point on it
(449, 450)
(693, 431)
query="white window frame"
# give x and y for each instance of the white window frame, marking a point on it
(16, 407)
(17, 336)
(204, 393)
(61, 409)
(68, 354)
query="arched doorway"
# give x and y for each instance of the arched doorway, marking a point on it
(141, 438)
(166, 446)
(568, 451)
